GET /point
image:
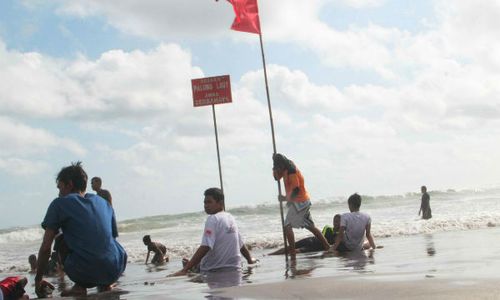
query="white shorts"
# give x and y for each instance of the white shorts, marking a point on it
(298, 215)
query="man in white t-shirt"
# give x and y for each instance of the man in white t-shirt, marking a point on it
(354, 226)
(221, 245)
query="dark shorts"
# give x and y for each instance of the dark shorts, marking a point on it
(62, 252)
(310, 244)
(342, 247)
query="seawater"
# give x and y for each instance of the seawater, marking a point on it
(260, 225)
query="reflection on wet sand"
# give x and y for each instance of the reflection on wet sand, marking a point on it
(429, 242)
(222, 279)
(293, 271)
(357, 260)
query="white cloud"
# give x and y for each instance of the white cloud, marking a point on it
(118, 84)
(363, 3)
(24, 140)
(293, 87)
(25, 149)
(157, 19)
(463, 30)
(22, 167)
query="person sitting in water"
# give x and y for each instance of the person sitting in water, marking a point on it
(159, 250)
(32, 262)
(87, 249)
(221, 246)
(52, 265)
(312, 244)
(353, 228)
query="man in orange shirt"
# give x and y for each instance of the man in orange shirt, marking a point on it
(297, 201)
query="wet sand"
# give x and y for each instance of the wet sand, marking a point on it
(449, 265)
(367, 288)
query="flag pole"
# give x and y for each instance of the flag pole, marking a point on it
(274, 140)
(218, 153)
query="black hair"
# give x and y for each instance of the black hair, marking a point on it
(74, 174)
(282, 162)
(97, 179)
(354, 200)
(146, 238)
(215, 193)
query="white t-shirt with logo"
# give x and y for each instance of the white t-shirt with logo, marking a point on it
(222, 236)
(355, 224)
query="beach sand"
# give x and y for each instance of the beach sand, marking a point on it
(447, 265)
(367, 288)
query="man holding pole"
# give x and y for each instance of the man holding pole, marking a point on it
(297, 199)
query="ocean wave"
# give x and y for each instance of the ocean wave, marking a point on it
(458, 201)
(265, 242)
(379, 231)
(16, 235)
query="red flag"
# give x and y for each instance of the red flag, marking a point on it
(247, 16)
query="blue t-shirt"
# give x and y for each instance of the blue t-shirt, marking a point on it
(89, 227)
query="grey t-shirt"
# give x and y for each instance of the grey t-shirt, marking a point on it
(222, 236)
(355, 224)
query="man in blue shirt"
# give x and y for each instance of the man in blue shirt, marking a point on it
(87, 248)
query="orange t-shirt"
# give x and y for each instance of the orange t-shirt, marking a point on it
(293, 180)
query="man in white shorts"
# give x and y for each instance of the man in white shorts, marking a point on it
(354, 226)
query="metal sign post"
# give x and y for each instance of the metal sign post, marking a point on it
(211, 91)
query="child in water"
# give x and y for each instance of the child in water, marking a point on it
(160, 251)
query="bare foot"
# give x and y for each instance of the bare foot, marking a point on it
(76, 290)
(104, 288)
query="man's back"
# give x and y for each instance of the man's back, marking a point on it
(156, 245)
(106, 195)
(355, 224)
(222, 236)
(89, 228)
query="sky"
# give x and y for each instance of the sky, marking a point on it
(377, 97)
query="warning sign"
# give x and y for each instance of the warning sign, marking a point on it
(211, 90)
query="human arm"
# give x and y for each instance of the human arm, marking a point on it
(110, 198)
(339, 238)
(421, 205)
(292, 187)
(369, 236)
(43, 259)
(293, 195)
(147, 256)
(246, 254)
(114, 228)
(194, 261)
